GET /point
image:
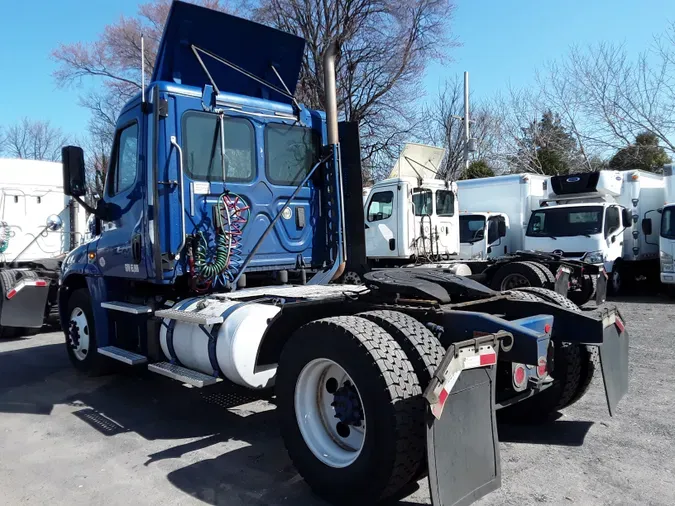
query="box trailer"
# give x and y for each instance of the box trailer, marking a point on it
(38, 226)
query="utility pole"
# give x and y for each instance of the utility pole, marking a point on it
(467, 136)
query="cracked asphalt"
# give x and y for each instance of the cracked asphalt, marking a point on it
(141, 439)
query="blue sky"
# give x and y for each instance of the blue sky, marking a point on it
(503, 42)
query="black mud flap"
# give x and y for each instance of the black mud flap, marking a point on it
(614, 360)
(562, 280)
(463, 447)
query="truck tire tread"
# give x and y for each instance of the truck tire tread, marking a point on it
(533, 275)
(399, 393)
(550, 278)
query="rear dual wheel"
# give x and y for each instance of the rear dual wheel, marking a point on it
(519, 274)
(351, 408)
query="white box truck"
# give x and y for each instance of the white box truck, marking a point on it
(596, 217)
(506, 203)
(666, 229)
(38, 226)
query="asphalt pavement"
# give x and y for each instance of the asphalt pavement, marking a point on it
(133, 438)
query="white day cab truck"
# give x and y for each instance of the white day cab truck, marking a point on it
(413, 218)
(666, 229)
(38, 226)
(221, 189)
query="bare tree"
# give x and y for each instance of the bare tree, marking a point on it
(385, 47)
(114, 60)
(444, 127)
(34, 140)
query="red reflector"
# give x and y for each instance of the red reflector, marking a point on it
(519, 375)
(442, 397)
(547, 328)
(11, 293)
(488, 359)
(40, 282)
(541, 367)
(619, 325)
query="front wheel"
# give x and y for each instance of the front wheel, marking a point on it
(351, 411)
(81, 334)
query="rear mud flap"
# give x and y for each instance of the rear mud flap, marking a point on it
(26, 308)
(463, 447)
(601, 287)
(614, 362)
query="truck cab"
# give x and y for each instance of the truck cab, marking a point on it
(595, 217)
(484, 235)
(667, 229)
(412, 214)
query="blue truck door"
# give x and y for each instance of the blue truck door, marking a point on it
(121, 245)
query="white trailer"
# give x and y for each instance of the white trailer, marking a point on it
(38, 226)
(666, 229)
(412, 215)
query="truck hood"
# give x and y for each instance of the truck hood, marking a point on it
(572, 247)
(253, 47)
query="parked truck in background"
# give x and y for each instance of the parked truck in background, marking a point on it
(221, 189)
(413, 218)
(596, 217)
(506, 203)
(666, 229)
(39, 224)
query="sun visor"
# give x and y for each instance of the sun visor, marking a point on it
(253, 47)
(419, 161)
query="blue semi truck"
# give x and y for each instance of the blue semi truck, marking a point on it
(229, 212)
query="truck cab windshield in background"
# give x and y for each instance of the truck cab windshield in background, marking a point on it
(565, 222)
(471, 228)
(668, 223)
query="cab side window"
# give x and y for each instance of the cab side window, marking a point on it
(124, 164)
(612, 220)
(493, 229)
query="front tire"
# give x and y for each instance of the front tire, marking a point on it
(342, 375)
(80, 333)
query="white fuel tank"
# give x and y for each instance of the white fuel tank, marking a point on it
(237, 344)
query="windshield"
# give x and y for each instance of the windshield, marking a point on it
(565, 221)
(668, 223)
(471, 228)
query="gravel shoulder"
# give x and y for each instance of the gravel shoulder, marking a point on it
(140, 439)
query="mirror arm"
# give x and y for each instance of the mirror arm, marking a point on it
(86, 206)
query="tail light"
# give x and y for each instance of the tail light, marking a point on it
(542, 367)
(519, 377)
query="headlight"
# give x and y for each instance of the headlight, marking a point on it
(594, 257)
(666, 261)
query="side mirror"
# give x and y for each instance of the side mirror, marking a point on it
(647, 226)
(501, 228)
(74, 181)
(626, 218)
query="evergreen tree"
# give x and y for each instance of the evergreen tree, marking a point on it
(644, 154)
(478, 169)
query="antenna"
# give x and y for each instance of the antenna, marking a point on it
(142, 70)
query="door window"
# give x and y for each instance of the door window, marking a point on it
(125, 160)
(612, 220)
(381, 206)
(445, 203)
